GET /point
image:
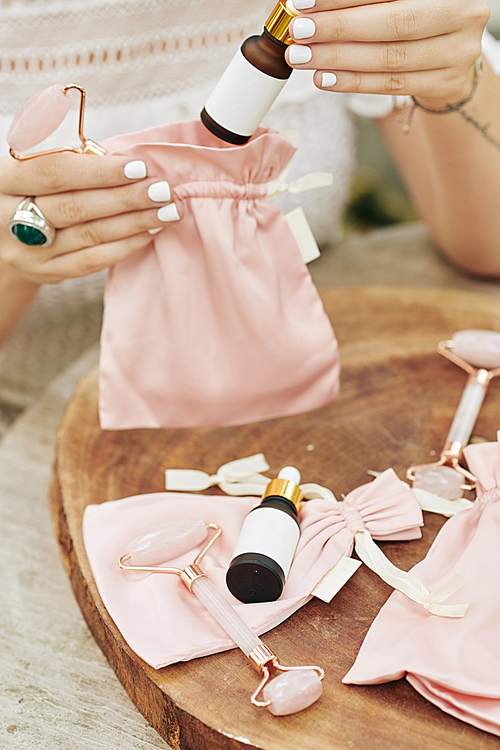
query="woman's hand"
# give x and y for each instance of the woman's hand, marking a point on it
(424, 48)
(103, 208)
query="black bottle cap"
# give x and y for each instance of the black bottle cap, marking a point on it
(254, 577)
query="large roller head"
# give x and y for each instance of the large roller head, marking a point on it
(166, 541)
(478, 347)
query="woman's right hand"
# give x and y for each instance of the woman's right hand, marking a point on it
(104, 208)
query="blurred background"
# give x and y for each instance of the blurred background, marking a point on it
(378, 198)
(495, 16)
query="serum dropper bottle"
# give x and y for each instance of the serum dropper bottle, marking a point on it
(267, 542)
(252, 80)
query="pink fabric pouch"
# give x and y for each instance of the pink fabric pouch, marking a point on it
(217, 321)
(158, 617)
(454, 663)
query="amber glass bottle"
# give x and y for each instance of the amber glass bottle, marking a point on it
(251, 82)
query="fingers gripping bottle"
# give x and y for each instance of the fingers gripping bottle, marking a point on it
(252, 80)
(267, 542)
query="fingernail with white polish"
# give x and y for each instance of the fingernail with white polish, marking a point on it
(135, 170)
(298, 54)
(328, 80)
(159, 192)
(155, 231)
(304, 4)
(168, 213)
(303, 28)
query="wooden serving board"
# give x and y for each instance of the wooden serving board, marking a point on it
(398, 398)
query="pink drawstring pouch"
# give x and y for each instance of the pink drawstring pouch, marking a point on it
(158, 617)
(217, 321)
(454, 663)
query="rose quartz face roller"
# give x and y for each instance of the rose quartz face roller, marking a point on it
(478, 353)
(41, 116)
(295, 688)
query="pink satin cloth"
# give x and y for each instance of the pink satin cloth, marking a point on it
(454, 663)
(164, 623)
(217, 321)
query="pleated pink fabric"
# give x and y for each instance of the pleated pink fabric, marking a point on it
(454, 663)
(217, 321)
(158, 617)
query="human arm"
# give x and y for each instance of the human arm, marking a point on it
(426, 49)
(101, 216)
(452, 172)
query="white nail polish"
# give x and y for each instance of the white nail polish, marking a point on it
(328, 80)
(168, 213)
(160, 192)
(304, 4)
(299, 54)
(135, 170)
(155, 231)
(304, 28)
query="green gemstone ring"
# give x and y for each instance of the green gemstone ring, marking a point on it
(29, 225)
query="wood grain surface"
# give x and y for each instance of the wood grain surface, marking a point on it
(397, 402)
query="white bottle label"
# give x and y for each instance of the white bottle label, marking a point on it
(271, 532)
(242, 97)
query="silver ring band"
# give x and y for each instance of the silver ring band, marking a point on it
(29, 225)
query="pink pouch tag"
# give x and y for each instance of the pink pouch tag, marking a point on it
(217, 321)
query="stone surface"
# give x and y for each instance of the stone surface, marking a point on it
(441, 480)
(38, 118)
(479, 348)
(57, 691)
(291, 692)
(166, 541)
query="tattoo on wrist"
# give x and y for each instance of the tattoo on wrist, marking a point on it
(483, 129)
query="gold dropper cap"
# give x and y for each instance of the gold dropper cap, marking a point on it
(284, 488)
(278, 22)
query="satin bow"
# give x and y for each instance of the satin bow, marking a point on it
(384, 509)
(485, 458)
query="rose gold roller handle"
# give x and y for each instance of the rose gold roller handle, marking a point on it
(467, 413)
(295, 689)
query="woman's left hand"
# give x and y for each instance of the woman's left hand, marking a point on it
(424, 48)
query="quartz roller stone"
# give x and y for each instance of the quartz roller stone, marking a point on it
(38, 118)
(481, 350)
(293, 691)
(166, 541)
(440, 480)
(478, 347)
